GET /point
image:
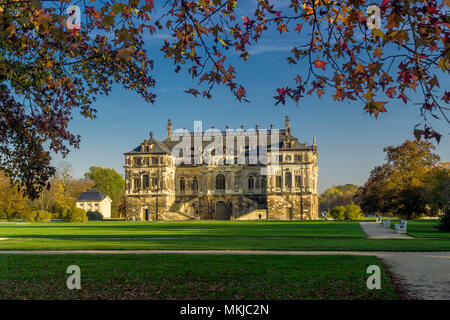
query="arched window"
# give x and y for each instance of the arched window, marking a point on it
(278, 181)
(137, 183)
(194, 184)
(298, 182)
(220, 182)
(288, 179)
(263, 182)
(251, 183)
(182, 184)
(146, 181)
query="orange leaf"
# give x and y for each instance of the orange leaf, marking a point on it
(320, 64)
(377, 52)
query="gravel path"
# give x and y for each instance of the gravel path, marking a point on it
(379, 231)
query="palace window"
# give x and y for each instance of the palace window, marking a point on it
(154, 160)
(288, 179)
(194, 184)
(298, 158)
(280, 158)
(220, 182)
(137, 183)
(146, 181)
(182, 184)
(278, 181)
(298, 181)
(251, 183)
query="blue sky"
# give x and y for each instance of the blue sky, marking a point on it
(350, 141)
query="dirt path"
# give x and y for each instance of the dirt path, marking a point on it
(379, 231)
(426, 274)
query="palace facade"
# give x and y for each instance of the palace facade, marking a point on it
(162, 185)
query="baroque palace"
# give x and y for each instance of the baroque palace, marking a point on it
(221, 185)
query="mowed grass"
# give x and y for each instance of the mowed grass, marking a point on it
(426, 229)
(318, 244)
(191, 277)
(215, 235)
(183, 229)
(423, 228)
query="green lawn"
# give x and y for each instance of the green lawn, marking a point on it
(423, 228)
(182, 229)
(426, 229)
(191, 277)
(214, 235)
(320, 244)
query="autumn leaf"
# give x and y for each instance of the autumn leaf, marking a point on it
(403, 97)
(125, 54)
(375, 108)
(298, 28)
(320, 64)
(359, 69)
(150, 3)
(377, 52)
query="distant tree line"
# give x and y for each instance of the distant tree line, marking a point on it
(409, 184)
(59, 198)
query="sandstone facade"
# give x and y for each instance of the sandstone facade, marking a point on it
(161, 187)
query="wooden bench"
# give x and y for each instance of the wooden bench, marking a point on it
(401, 227)
(387, 223)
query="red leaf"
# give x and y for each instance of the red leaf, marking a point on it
(150, 3)
(403, 97)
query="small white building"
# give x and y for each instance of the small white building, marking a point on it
(94, 200)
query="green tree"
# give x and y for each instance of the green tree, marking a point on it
(353, 212)
(374, 197)
(337, 196)
(404, 183)
(338, 213)
(12, 203)
(110, 182)
(437, 188)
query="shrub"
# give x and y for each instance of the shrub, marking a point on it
(42, 216)
(36, 216)
(444, 223)
(13, 215)
(75, 215)
(353, 212)
(348, 212)
(338, 213)
(94, 216)
(28, 216)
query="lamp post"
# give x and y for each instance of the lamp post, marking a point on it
(301, 204)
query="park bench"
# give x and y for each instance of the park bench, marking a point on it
(401, 227)
(387, 223)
